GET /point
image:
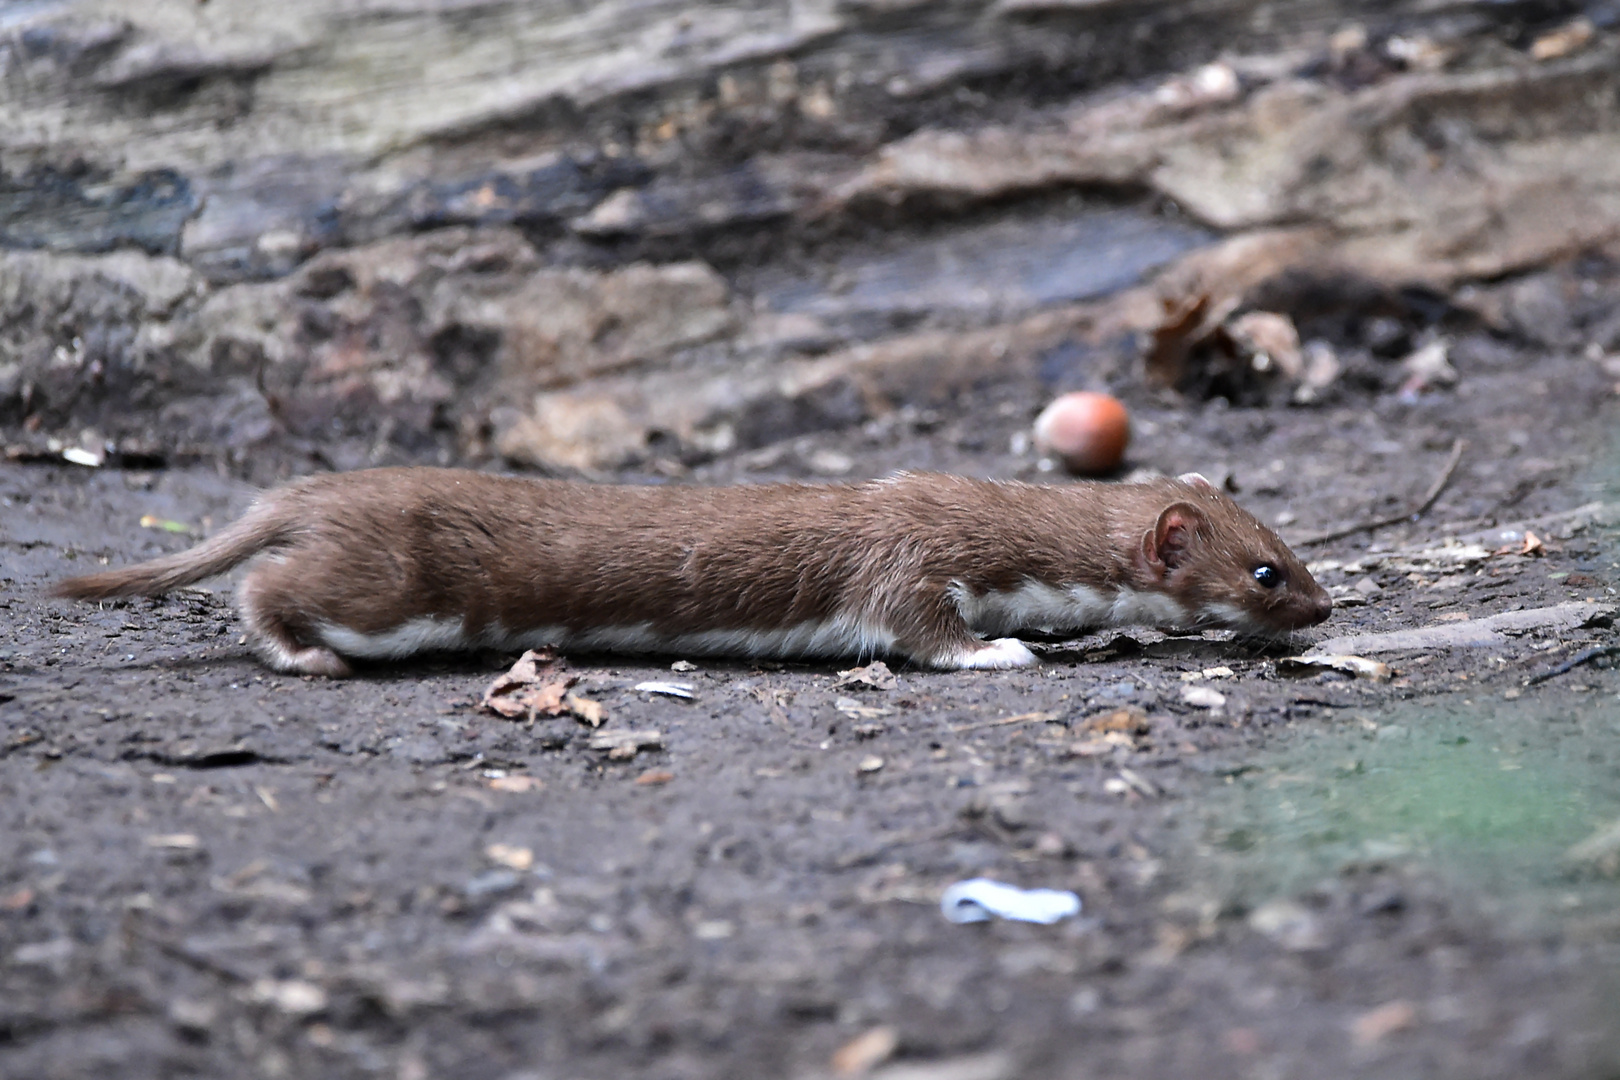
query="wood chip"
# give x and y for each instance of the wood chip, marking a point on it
(857, 710)
(1021, 718)
(865, 1052)
(1376, 1025)
(518, 783)
(1359, 666)
(586, 709)
(655, 778)
(173, 842)
(633, 740)
(510, 855)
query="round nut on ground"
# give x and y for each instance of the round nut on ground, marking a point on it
(1088, 431)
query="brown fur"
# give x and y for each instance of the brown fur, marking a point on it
(375, 549)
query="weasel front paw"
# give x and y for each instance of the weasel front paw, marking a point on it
(1001, 653)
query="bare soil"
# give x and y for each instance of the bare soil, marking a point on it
(210, 869)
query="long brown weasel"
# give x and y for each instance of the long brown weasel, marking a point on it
(384, 563)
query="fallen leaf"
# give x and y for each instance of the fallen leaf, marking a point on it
(655, 778)
(874, 676)
(510, 856)
(535, 686)
(865, 1052)
(1128, 720)
(1532, 544)
(16, 901)
(683, 666)
(518, 783)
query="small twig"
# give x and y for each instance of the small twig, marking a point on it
(1416, 512)
(1582, 657)
(1021, 718)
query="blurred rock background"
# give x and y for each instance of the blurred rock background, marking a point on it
(584, 236)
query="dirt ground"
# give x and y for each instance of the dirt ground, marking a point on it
(209, 869)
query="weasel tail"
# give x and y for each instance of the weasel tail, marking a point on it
(265, 526)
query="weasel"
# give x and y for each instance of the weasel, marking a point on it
(385, 563)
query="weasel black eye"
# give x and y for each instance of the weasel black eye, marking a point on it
(1267, 576)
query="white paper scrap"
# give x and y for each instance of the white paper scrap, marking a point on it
(670, 689)
(976, 899)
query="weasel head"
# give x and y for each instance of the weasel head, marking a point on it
(1226, 568)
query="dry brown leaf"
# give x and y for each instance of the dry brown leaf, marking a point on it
(535, 686)
(873, 676)
(1127, 721)
(655, 778)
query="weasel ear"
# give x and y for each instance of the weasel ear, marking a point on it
(1170, 542)
(1197, 480)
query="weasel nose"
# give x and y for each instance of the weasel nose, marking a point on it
(1322, 608)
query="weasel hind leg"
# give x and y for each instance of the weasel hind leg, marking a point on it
(270, 636)
(999, 654)
(933, 632)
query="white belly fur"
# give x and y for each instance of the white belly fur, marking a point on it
(1031, 606)
(822, 638)
(1035, 605)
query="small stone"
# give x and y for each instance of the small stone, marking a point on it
(1202, 697)
(295, 997)
(871, 763)
(1288, 924)
(510, 855)
(713, 930)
